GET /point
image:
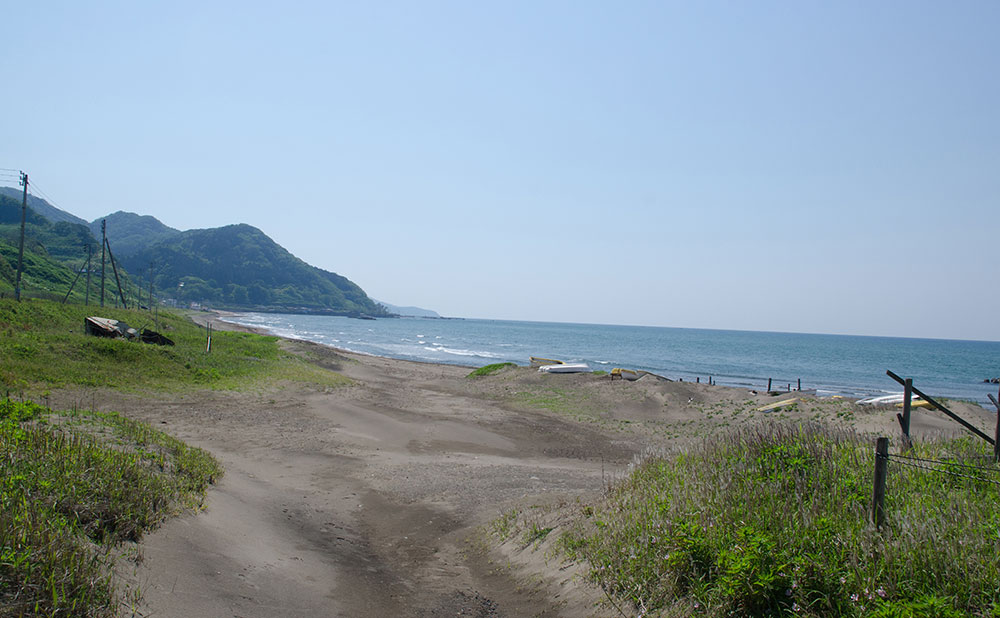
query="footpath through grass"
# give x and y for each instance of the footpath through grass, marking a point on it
(74, 487)
(43, 345)
(776, 521)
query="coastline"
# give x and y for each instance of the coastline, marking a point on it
(830, 365)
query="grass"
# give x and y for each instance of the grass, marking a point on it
(43, 345)
(771, 521)
(489, 370)
(75, 487)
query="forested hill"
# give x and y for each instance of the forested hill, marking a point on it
(240, 266)
(62, 239)
(236, 266)
(52, 251)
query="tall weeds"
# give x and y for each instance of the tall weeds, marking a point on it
(70, 493)
(775, 520)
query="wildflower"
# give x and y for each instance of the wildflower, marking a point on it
(880, 592)
(795, 607)
(788, 592)
(854, 597)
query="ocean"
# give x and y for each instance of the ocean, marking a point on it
(854, 366)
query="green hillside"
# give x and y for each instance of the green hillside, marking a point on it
(239, 266)
(62, 240)
(53, 252)
(236, 266)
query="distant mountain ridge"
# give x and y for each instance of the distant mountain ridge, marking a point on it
(130, 233)
(414, 312)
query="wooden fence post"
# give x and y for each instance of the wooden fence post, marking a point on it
(769, 385)
(996, 436)
(878, 494)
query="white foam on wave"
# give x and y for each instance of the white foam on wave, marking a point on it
(460, 352)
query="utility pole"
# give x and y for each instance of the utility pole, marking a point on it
(104, 243)
(20, 251)
(151, 285)
(90, 250)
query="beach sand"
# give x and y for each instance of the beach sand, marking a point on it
(375, 499)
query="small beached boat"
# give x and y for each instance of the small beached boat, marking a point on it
(626, 374)
(565, 368)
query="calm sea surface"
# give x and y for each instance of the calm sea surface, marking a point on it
(830, 364)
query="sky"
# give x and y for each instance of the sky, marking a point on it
(783, 166)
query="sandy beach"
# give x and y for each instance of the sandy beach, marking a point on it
(375, 499)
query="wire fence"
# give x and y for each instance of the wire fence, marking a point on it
(932, 465)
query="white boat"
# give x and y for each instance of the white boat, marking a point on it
(565, 368)
(886, 400)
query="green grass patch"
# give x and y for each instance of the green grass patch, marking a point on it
(43, 345)
(489, 370)
(75, 486)
(776, 521)
(536, 533)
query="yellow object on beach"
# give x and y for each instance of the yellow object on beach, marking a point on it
(535, 360)
(916, 403)
(777, 404)
(627, 374)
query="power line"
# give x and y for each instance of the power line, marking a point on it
(39, 192)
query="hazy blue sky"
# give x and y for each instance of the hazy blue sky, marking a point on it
(796, 166)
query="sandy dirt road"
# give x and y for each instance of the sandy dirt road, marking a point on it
(366, 500)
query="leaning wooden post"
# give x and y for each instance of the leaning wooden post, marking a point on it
(881, 469)
(905, 422)
(769, 385)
